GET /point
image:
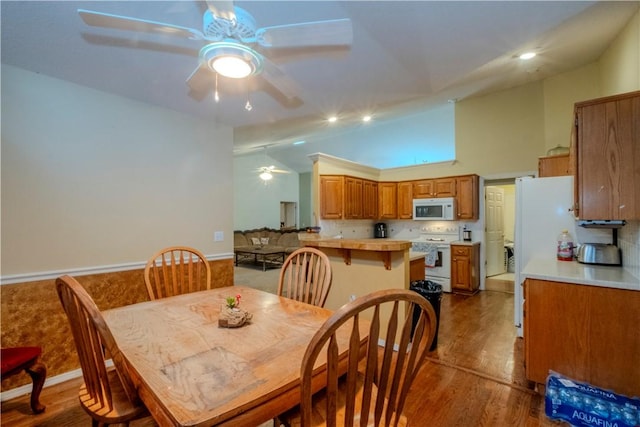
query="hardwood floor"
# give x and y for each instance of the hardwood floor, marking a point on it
(475, 377)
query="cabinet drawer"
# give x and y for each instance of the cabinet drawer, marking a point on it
(461, 250)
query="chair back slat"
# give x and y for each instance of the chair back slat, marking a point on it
(306, 276)
(375, 389)
(93, 340)
(176, 270)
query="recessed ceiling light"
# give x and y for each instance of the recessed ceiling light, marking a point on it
(527, 55)
(333, 119)
(366, 118)
(299, 142)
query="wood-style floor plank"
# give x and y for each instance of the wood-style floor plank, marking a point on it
(475, 377)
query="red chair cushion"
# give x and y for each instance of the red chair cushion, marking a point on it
(13, 357)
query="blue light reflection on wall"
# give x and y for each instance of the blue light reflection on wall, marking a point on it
(425, 137)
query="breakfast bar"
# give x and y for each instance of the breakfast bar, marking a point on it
(361, 266)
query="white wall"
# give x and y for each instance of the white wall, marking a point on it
(256, 203)
(91, 179)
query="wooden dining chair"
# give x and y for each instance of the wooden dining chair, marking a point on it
(176, 270)
(108, 396)
(375, 386)
(306, 276)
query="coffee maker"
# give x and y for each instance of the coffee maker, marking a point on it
(380, 230)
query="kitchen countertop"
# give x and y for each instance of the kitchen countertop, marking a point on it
(464, 243)
(581, 274)
(414, 255)
(360, 244)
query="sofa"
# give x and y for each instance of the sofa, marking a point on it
(264, 246)
(287, 240)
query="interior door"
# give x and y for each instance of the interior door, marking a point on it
(494, 216)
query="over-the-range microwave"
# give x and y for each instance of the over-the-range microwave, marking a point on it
(441, 209)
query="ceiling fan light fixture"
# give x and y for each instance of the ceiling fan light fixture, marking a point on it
(527, 55)
(265, 176)
(230, 59)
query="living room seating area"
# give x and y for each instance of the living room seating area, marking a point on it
(266, 247)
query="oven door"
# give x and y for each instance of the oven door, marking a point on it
(442, 267)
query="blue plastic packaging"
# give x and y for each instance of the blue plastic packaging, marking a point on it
(581, 404)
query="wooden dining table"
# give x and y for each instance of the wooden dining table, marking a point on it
(191, 372)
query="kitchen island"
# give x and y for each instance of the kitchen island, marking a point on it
(361, 266)
(582, 321)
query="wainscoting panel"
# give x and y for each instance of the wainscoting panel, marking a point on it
(32, 314)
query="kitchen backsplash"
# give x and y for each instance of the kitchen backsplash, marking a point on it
(628, 236)
(629, 244)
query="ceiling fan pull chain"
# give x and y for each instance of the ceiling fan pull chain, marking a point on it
(248, 105)
(216, 96)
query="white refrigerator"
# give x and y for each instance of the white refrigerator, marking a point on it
(543, 209)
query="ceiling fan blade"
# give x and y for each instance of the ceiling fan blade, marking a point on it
(279, 80)
(107, 20)
(200, 82)
(222, 9)
(320, 33)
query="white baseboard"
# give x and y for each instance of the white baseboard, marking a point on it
(26, 389)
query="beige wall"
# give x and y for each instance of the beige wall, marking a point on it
(92, 180)
(620, 64)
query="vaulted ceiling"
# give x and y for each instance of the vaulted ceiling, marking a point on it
(405, 56)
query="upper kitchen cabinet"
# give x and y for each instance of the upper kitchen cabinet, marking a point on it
(467, 197)
(553, 166)
(605, 150)
(352, 198)
(331, 196)
(369, 199)
(405, 200)
(430, 188)
(387, 200)
(347, 197)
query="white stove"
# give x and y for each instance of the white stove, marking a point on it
(436, 243)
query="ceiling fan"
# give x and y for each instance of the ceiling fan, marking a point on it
(233, 46)
(266, 172)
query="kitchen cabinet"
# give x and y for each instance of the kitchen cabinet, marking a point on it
(369, 199)
(465, 268)
(431, 188)
(331, 196)
(553, 166)
(405, 200)
(467, 204)
(416, 269)
(352, 198)
(584, 332)
(606, 157)
(387, 200)
(347, 197)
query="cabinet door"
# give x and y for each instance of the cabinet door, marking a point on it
(387, 200)
(352, 198)
(405, 200)
(608, 155)
(583, 332)
(423, 189)
(331, 196)
(553, 166)
(461, 268)
(369, 199)
(444, 187)
(467, 197)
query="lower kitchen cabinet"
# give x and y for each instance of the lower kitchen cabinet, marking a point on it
(465, 268)
(416, 269)
(588, 333)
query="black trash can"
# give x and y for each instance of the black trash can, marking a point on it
(432, 292)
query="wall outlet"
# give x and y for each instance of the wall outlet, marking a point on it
(218, 236)
(352, 297)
